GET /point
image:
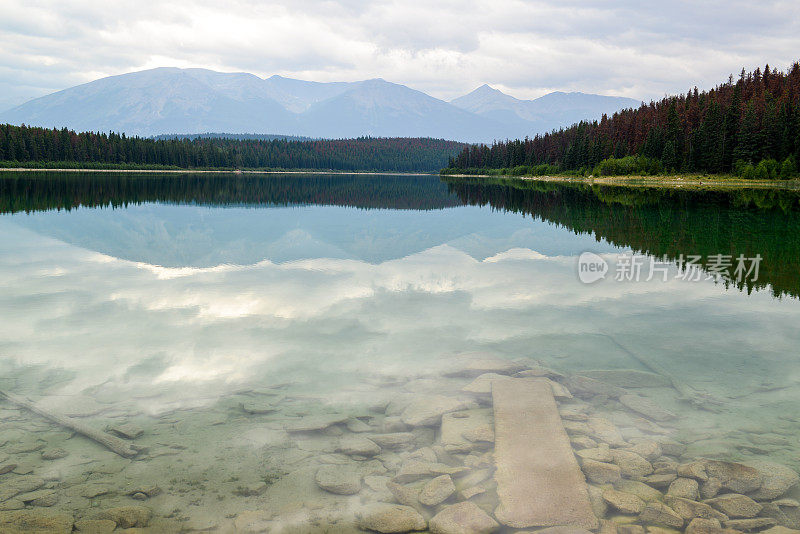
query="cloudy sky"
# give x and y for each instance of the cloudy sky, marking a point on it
(446, 47)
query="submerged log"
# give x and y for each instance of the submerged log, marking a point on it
(110, 442)
(696, 398)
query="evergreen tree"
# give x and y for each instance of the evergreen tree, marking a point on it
(754, 118)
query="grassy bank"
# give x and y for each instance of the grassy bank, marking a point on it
(678, 181)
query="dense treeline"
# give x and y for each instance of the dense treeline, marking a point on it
(749, 126)
(23, 145)
(241, 137)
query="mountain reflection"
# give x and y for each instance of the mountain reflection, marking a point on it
(656, 221)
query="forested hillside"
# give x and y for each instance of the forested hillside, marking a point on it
(748, 126)
(21, 145)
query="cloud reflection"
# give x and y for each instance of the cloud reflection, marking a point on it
(328, 322)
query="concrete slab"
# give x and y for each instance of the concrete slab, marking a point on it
(539, 482)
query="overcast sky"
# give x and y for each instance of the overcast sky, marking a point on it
(446, 48)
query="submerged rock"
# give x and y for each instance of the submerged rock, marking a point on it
(389, 518)
(396, 440)
(413, 470)
(90, 491)
(646, 448)
(482, 385)
(44, 498)
(564, 530)
(462, 518)
(601, 453)
(735, 477)
(626, 503)
(646, 407)
(781, 530)
(357, 425)
(735, 505)
(17, 485)
(476, 367)
(695, 470)
(776, 480)
(756, 523)
(313, 423)
(604, 430)
(582, 442)
(705, 526)
(95, 526)
(688, 488)
(339, 480)
(586, 387)
(458, 427)
(661, 514)
(12, 504)
(468, 493)
(600, 472)
(34, 521)
(127, 516)
(437, 490)
(407, 495)
(481, 436)
(149, 490)
(661, 481)
(55, 453)
(631, 464)
(428, 411)
(598, 504)
(560, 391)
(358, 445)
(689, 509)
(787, 515)
(640, 489)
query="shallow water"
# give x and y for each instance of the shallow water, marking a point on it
(180, 305)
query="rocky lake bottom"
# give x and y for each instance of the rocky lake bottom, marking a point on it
(404, 454)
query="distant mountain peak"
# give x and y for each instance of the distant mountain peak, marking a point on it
(552, 110)
(170, 100)
(486, 88)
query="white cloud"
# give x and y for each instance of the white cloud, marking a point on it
(636, 49)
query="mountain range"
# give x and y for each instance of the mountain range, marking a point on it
(189, 101)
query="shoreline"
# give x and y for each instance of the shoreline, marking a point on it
(674, 181)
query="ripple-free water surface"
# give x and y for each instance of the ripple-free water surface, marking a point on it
(181, 305)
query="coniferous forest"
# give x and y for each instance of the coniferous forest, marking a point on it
(30, 146)
(748, 126)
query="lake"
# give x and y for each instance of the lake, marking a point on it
(277, 348)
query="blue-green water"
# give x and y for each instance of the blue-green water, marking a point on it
(167, 302)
